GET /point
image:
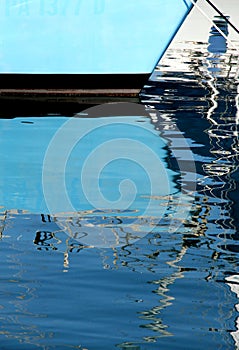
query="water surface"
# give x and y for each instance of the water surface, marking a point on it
(169, 288)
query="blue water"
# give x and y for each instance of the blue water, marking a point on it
(169, 277)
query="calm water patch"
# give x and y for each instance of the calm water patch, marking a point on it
(165, 289)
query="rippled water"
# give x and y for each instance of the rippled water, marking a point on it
(167, 289)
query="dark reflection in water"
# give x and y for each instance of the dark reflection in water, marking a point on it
(204, 106)
(169, 290)
(217, 42)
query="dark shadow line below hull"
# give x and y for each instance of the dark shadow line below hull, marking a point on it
(40, 94)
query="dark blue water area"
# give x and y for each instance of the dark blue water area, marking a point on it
(151, 264)
(142, 295)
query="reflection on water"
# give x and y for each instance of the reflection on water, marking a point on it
(217, 42)
(169, 289)
(105, 181)
(208, 117)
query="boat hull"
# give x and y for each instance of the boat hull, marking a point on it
(81, 52)
(87, 36)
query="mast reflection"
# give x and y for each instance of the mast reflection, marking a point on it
(212, 130)
(223, 135)
(219, 181)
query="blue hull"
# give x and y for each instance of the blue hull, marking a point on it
(87, 36)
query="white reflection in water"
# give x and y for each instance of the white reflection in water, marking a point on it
(233, 283)
(214, 113)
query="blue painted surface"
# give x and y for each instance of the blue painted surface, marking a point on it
(86, 36)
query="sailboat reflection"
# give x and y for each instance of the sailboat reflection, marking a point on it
(213, 134)
(217, 42)
(223, 131)
(221, 174)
